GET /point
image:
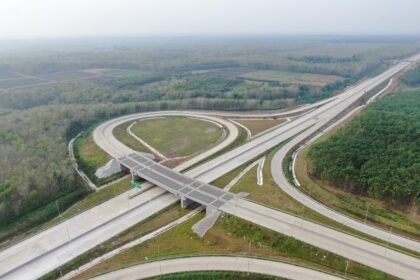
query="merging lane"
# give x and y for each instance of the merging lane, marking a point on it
(47, 250)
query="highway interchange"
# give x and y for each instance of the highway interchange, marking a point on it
(47, 250)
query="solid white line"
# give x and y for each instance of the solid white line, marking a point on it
(260, 177)
(248, 132)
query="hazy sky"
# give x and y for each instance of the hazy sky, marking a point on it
(80, 18)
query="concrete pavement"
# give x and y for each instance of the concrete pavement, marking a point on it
(221, 263)
(350, 247)
(47, 258)
(281, 180)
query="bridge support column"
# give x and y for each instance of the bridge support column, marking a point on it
(134, 177)
(112, 167)
(185, 202)
(210, 210)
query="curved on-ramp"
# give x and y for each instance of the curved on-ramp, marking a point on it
(104, 138)
(281, 180)
(216, 263)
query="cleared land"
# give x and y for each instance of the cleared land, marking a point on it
(63, 76)
(257, 126)
(14, 83)
(10, 81)
(177, 136)
(291, 77)
(8, 75)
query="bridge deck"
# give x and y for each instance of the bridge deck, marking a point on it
(175, 182)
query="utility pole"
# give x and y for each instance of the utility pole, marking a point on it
(347, 266)
(160, 266)
(367, 211)
(249, 254)
(58, 208)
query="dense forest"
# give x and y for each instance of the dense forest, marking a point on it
(412, 77)
(377, 153)
(36, 170)
(89, 82)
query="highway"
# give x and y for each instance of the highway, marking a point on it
(33, 257)
(35, 254)
(281, 180)
(57, 245)
(216, 263)
(350, 247)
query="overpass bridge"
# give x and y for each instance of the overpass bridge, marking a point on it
(187, 189)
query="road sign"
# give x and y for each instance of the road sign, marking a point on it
(136, 185)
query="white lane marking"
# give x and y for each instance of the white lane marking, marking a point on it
(260, 177)
(144, 143)
(248, 132)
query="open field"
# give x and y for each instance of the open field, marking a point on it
(257, 126)
(176, 137)
(67, 75)
(291, 78)
(11, 81)
(21, 82)
(120, 73)
(6, 75)
(231, 235)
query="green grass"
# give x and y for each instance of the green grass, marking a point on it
(90, 157)
(120, 132)
(178, 136)
(231, 235)
(291, 77)
(211, 275)
(257, 126)
(240, 139)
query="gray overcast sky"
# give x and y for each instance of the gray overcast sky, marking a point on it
(79, 18)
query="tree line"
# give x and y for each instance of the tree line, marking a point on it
(377, 153)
